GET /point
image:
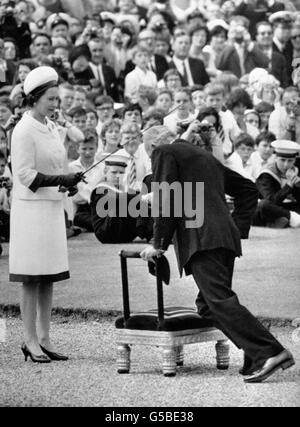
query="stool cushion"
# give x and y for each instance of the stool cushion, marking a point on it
(175, 319)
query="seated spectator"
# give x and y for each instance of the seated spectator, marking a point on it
(268, 90)
(92, 118)
(80, 98)
(282, 119)
(229, 129)
(209, 116)
(86, 150)
(218, 30)
(198, 97)
(264, 110)
(106, 199)
(146, 97)
(79, 58)
(200, 36)
(110, 138)
(5, 111)
(153, 117)
(132, 114)
(183, 99)
(163, 45)
(239, 161)
(66, 96)
(192, 71)
(241, 56)
(252, 122)
(139, 75)
(164, 100)
(263, 152)
(78, 117)
(23, 69)
(229, 81)
(105, 109)
(172, 80)
(279, 187)
(10, 49)
(138, 162)
(5, 199)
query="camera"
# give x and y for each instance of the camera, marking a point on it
(202, 128)
(159, 27)
(4, 182)
(8, 14)
(57, 62)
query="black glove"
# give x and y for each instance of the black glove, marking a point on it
(69, 180)
(72, 191)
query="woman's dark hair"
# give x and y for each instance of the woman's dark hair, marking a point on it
(193, 28)
(265, 136)
(215, 31)
(27, 62)
(239, 96)
(209, 111)
(37, 93)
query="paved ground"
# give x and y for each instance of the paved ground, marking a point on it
(90, 377)
(266, 279)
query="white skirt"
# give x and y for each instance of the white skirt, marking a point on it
(38, 242)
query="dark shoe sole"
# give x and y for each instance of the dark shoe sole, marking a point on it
(283, 365)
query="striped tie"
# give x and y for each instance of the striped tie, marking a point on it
(221, 133)
(132, 173)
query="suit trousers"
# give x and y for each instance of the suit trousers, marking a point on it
(267, 212)
(212, 271)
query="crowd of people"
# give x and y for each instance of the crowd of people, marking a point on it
(225, 70)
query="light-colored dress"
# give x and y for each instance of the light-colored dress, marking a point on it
(38, 243)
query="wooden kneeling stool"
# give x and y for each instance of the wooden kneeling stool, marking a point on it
(169, 328)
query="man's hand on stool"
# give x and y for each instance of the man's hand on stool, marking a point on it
(150, 253)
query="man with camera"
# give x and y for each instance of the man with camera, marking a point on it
(241, 56)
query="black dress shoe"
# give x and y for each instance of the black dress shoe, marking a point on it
(54, 356)
(248, 367)
(283, 360)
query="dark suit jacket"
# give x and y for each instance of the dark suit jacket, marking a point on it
(254, 15)
(111, 83)
(220, 229)
(161, 66)
(10, 74)
(288, 53)
(229, 60)
(198, 72)
(270, 189)
(279, 69)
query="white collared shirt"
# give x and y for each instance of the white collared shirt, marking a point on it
(98, 72)
(179, 65)
(137, 78)
(142, 166)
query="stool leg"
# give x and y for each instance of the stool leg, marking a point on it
(169, 362)
(222, 349)
(123, 360)
(180, 356)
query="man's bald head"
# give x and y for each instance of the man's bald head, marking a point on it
(156, 136)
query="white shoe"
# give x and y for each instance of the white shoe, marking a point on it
(294, 220)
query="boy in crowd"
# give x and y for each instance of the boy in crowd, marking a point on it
(139, 75)
(137, 159)
(239, 161)
(132, 114)
(263, 152)
(66, 96)
(215, 97)
(5, 200)
(105, 109)
(108, 225)
(87, 151)
(164, 100)
(78, 117)
(279, 187)
(183, 114)
(198, 97)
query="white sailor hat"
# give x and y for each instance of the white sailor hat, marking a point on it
(58, 18)
(281, 17)
(117, 160)
(108, 17)
(40, 77)
(286, 148)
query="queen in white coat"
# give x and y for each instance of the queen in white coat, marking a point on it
(38, 245)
